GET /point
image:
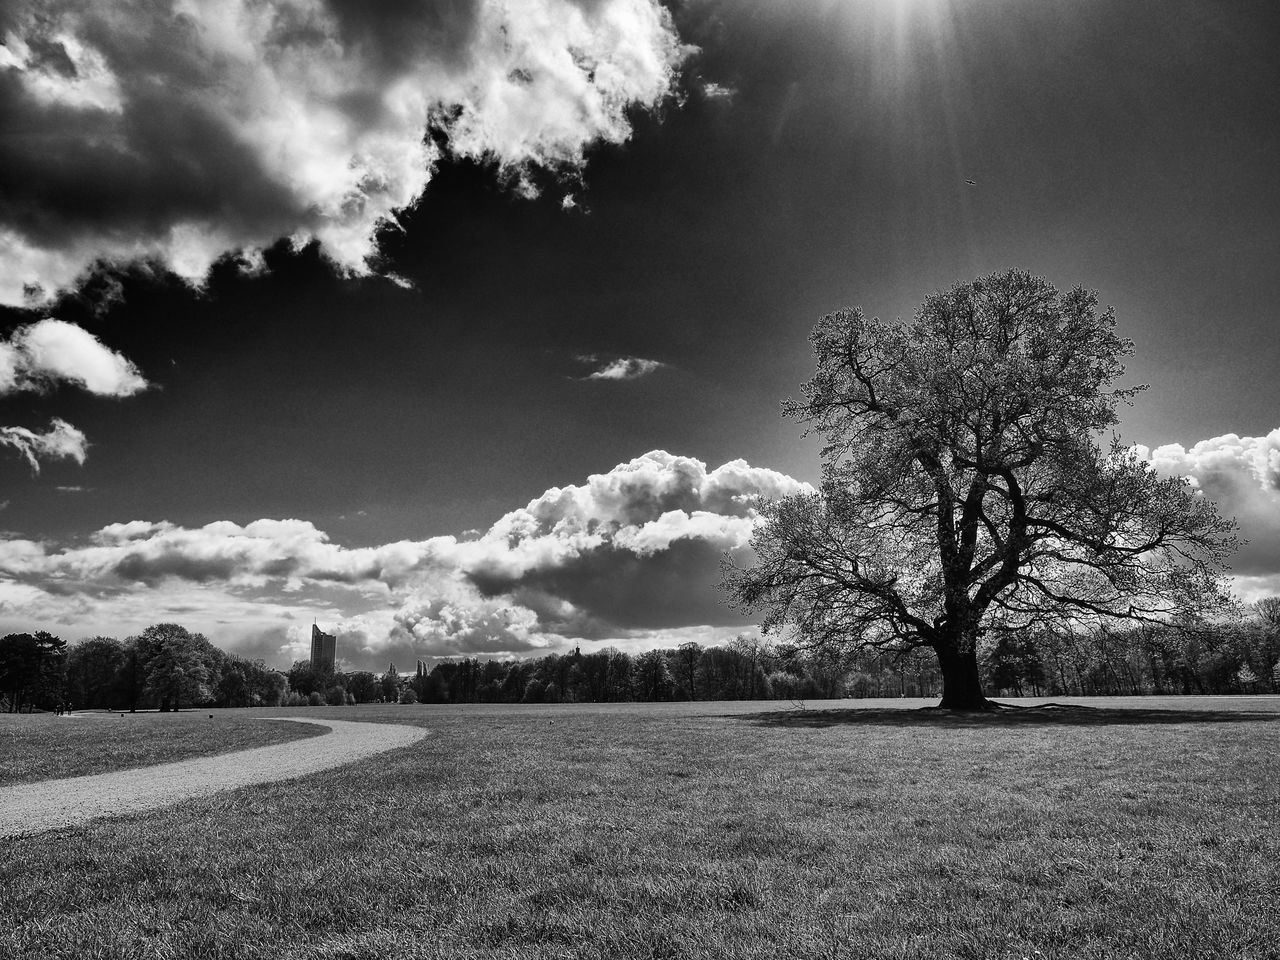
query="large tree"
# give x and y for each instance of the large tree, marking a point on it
(32, 670)
(965, 487)
(175, 664)
(96, 673)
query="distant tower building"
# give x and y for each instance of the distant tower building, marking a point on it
(324, 649)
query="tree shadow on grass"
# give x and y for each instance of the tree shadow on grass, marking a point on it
(1045, 714)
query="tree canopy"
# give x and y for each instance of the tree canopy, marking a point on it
(32, 669)
(965, 486)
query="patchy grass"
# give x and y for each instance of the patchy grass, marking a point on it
(701, 831)
(44, 746)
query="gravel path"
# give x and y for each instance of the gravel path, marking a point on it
(49, 804)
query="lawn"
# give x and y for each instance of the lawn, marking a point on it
(704, 830)
(44, 746)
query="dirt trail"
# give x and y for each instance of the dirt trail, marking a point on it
(49, 804)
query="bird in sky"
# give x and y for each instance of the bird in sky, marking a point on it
(972, 183)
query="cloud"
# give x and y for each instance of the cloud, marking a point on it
(1242, 474)
(180, 131)
(61, 441)
(41, 354)
(623, 368)
(633, 549)
(718, 91)
(51, 351)
(457, 621)
(629, 556)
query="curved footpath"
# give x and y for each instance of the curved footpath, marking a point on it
(49, 804)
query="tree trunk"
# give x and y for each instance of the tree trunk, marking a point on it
(961, 684)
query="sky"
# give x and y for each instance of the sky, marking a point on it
(460, 327)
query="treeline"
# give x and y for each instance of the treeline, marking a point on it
(746, 669)
(1241, 656)
(1194, 658)
(165, 667)
(1238, 657)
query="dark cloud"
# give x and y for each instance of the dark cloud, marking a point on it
(393, 34)
(616, 590)
(153, 567)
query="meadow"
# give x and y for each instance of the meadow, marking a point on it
(1144, 828)
(44, 746)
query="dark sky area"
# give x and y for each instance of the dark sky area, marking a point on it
(815, 155)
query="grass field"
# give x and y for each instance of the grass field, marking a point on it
(44, 746)
(703, 830)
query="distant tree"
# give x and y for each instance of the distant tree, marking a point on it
(619, 676)
(95, 669)
(1014, 662)
(1246, 678)
(964, 489)
(726, 673)
(489, 680)
(270, 686)
(391, 684)
(32, 670)
(335, 696)
(553, 671)
(175, 664)
(238, 682)
(652, 676)
(553, 692)
(434, 689)
(516, 680)
(684, 669)
(785, 685)
(576, 687)
(232, 687)
(132, 675)
(1268, 610)
(306, 678)
(829, 668)
(364, 686)
(407, 695)
(753, 655)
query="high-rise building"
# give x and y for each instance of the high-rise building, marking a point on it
(324, 649)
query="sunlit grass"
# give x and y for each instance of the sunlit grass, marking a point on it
(45, 746)
(699, 831)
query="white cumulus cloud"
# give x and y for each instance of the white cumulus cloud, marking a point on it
(39, 355)
(61, 441)
(622, 368)
(632, 549)
(180, 130)
(51, 351)
(1242, 475)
